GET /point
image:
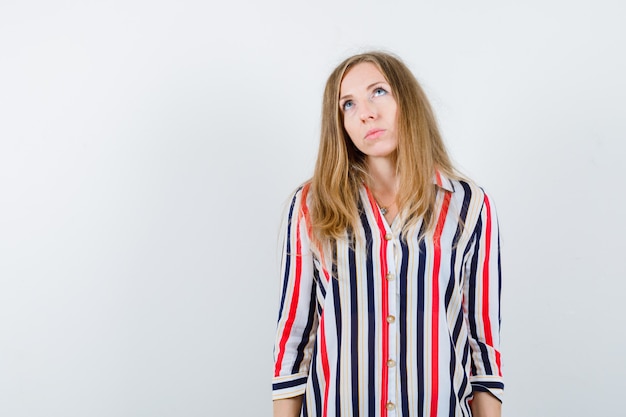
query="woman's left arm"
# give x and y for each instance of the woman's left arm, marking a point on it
(482, 306)
(485, 405)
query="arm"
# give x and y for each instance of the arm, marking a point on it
(482, 308)
(288, 407)
(485, 405)
(297, 318)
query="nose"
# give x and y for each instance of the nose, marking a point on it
(368, 111)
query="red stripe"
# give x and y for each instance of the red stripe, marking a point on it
(325, 366)
(384, 383)
(323, 262)
(307, 222)
(294, 302)
(305, 208)
(434, 398)
(385, 329)
(322, 332)
(485, 312)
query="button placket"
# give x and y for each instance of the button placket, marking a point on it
(390, 322)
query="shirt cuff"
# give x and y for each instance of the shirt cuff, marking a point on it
(288, 386)
(488, 383)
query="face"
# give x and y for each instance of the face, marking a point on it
(369, 110)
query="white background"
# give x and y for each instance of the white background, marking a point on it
(147, 150)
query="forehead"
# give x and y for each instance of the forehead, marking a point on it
(360, 77)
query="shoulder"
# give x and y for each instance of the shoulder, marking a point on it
(296, 208)
(300, 196)
(470, 199)
(465, 190)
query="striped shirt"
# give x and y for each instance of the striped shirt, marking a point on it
(382, 325)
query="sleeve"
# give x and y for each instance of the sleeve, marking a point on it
(481, 298)
(297, 318)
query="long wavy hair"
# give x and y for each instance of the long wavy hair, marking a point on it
(341, 170)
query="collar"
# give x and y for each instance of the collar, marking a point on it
(442, 181)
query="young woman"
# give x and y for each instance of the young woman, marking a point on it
(390, 290)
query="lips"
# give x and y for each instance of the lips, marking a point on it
(374, 133)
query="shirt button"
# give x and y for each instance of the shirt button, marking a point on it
(390, 319)
(391, 363)
(390, 277)
(391, 406)
(388, 236)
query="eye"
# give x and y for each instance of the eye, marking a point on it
(379, 91)
(347, 105)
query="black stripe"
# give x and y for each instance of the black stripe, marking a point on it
(420, 326)
(452, 284)
(499, 279)
(318, 276)
(287, 254)
(402, 326)
(483, 348)
(307, 332)
(452, 404)
(472, 301)
(488, 384)
(322, 290)
(455, 241)
(337, 305)
(371, 322)
(464, 381)
(456, 331)
(289, 384)
(354, 327)
(317, 396)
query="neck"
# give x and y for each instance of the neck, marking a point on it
(383, 182)
(383, 175)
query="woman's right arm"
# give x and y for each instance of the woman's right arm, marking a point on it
(288, 407)
(297, 317)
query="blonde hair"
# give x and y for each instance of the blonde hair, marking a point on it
(340, 169)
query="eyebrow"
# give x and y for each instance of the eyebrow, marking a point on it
(368, 87)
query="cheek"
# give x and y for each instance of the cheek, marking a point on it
(350, 127)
